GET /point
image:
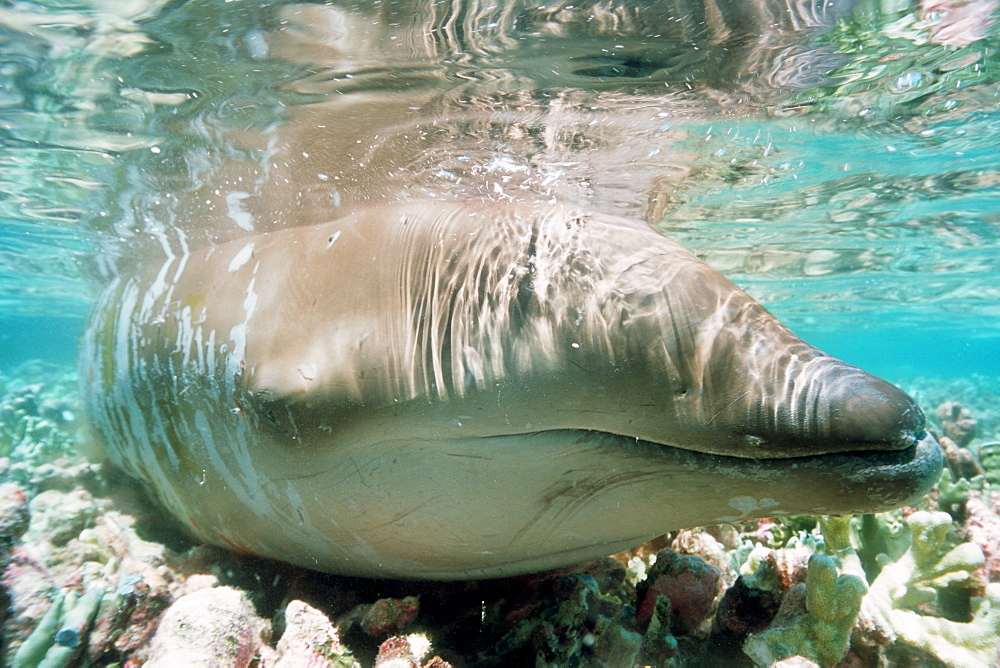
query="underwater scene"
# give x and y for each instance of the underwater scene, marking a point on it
(837, 160)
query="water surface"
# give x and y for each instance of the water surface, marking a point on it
(841, 167)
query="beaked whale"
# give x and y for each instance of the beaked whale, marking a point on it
(420, 380)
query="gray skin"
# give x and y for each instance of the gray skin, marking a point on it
(417, 329)
(461, 390)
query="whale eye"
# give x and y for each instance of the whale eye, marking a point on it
(274, 415)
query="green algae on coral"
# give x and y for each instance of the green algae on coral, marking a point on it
(821, 632)
(59, 635)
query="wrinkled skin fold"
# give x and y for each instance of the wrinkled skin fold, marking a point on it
(445, 390)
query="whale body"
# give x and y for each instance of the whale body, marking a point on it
(474, 390)
(392, 367)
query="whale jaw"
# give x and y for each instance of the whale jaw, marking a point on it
(580, 495)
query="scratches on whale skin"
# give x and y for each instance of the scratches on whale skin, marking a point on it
(234, 544)
(304, 476)
(403, 515)
(723, 409)
(361, 476)
(566, 497)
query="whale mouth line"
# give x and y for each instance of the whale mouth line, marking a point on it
(791, 449)
(923, 450)
(902, 475)
(922, 457)
(919, 464)
(773, 452)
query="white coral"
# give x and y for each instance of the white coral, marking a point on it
(915, 578)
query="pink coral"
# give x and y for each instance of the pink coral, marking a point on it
(388, 616)
(983, 527)
(407, 652)
(310, 640)
(791, 565)
(688, 582)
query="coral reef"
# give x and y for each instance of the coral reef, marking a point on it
(978, 394)
(309, 639)
(815, 618)
(384, 617)
(957, 422)
(982, 527)
(989, 458)
(216, 626)
(406, 652)
(960, 461)
(58, 637)
(39, 428)
(93, 574)
(919, 580)
(559, 618)
(749, 605)
(688, 583)
(14, 516)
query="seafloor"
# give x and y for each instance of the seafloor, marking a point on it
(95, 574)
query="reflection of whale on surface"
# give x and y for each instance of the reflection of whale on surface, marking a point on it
(416, 379)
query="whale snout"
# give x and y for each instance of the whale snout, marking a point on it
(836, 407)
(815, 404)
(864, 409)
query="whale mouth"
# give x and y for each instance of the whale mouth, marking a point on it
(849, 481)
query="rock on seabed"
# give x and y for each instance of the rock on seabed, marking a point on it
(216, 626)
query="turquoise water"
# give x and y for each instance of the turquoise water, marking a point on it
(841, 164)
(53, 339)
(859, 202)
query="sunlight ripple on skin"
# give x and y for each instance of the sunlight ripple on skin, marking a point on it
(476, 359)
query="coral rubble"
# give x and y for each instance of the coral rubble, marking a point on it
(215, 626)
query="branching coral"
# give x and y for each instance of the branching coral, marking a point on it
(819, 630)
(915, 580)
(38, 427)
(954, 493)
(989, 456)
(34, 425)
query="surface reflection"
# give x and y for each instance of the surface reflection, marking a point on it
(789, 143)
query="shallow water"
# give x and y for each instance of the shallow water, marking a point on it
(840, 166)
(848, 179)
